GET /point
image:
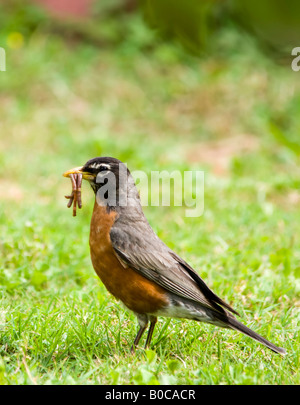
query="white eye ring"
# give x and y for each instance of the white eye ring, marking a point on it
(99, 165)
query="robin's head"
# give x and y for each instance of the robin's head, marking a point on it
(111, 181)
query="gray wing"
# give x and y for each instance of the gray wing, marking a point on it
(141, 249)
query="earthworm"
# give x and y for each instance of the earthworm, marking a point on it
(75, 197)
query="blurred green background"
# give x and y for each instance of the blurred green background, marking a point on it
(98, 73)
(161, 85)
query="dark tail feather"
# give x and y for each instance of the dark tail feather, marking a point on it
(234, 324)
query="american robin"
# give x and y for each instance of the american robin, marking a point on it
(137, 267)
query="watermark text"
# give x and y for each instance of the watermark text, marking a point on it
(296, 61)
(157, 188)
(2, 60)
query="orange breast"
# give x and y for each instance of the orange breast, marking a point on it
(136, 292)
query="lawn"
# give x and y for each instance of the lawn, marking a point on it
(233, 114)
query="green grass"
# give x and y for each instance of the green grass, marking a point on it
(63, 103)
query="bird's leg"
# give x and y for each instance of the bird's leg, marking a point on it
(143, 322)
(153, 321)
(138, 337)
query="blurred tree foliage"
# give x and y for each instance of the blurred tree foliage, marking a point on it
(192, 23)
(189, 22)
(274, 22)
(17, 16)
(107, 24)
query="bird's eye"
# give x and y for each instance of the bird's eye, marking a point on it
(103, 167)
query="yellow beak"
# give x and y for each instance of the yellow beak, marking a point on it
(78, 170)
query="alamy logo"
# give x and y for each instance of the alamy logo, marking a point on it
(2, 60)
(164, 188)
(296, 61)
